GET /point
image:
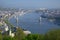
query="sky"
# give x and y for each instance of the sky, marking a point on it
(30, 3)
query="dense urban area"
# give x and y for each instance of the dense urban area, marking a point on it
(9, 32)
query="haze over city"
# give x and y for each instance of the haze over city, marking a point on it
(30, 3)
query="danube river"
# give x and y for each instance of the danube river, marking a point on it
(34, 23)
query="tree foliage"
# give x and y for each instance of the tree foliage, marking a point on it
(34, 37)
(19, 34)
(51, 35)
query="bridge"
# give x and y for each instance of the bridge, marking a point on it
(21, 13)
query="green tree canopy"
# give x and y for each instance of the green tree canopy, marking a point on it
(19, 34)
(34, 37)
(53, 35)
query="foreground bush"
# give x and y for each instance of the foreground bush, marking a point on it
(53, 35)
(19, 34)
(34, 37)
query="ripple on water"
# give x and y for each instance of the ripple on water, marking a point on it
(31, 22)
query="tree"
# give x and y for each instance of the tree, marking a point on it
(0, 36)
(8, 38)
(53, 35)
(19, 34)
(34, 37)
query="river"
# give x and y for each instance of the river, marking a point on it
(34, 23)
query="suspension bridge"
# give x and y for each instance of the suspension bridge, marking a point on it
(19, 14)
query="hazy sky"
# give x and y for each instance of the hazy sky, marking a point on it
(30, 3)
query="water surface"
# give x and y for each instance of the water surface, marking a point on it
(35, 24)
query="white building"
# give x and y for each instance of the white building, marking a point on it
(11, 34)
(27, 32)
